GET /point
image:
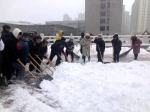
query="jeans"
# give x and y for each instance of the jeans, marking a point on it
(19, 69)
(52, 55)
(116, 55)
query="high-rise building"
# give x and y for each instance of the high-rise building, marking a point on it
(66, 18)
(103, 16)
(81, 16)
(126, 18)
(140, 17)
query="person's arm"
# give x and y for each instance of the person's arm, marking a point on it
(1, 45)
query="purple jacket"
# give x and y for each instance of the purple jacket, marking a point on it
(136, 46)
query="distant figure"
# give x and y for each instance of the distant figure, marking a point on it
(136, 43)
(85, 42)
(5, 32)
(82, 36)
(117, 44)
(100, 47)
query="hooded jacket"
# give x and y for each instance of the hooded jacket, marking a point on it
(100, 45)
(116, 43)
(60, 34)
(10, 50)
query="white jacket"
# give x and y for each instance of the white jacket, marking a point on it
(1, 45)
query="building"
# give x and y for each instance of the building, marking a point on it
(66, 18)
(48, 30)
(103, 16)
(126, 18)
(79, 25)
(140, 17)
(81, 16)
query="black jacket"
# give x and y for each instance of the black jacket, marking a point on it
(55, 48)
(100, 45)
(117, 44)
(10, 50)
(4, 34)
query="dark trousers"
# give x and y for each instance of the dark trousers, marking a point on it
(7, 69)
(81, 49)
(116, 55)
(52, 55)
(135, 56)
(100, 56)
(84, 58)
(69, 53)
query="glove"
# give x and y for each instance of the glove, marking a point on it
(65, 54)
(136, 45)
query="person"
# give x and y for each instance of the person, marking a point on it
(57, 49)
(23, 52)
(60, 34)
(5, 32)
(85, 42)
(10, 53)
(117, 44)
(69, 49)
(100, 47)
(136, 43)
(82, 36)
(34, 45)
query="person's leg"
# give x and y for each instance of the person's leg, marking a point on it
(98, 56)
(84, 59)
(21, 72)
(72, 56)
(58, 59)
(135, 56)
(118, 53)
(115, 56)
(66, 57)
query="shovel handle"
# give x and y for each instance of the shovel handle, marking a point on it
(60, 57)
(37, 68)
(78, 51)
(27, 69)
(43, 63)
(37, 63)
(51, 63)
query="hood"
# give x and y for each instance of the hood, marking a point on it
(16, 31)
(82, 35)
(60, 33)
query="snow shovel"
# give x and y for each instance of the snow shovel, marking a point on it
(78, 51)
(76, 56)
(40, 67)
(125, 53)
(45, 76)
(52, 64)
(43, 63)
(60, 57)
(3, 81)
(38, 80)
(101, 56)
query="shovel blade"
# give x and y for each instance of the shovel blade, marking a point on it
(48, 77)
(39, 82)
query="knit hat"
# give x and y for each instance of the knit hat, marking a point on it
(87, 34)
(6, 26)
(99, 35)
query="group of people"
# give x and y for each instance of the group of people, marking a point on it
(17, 48)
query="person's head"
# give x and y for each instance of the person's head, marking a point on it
(87, 36)
(116, 37)
(25, 36)
(6, 28)
(37, 39)
(60, 33)
(17, 33)
(44, 43)
(99, 36)
(82, 35)
(34, 33)
(71, 40)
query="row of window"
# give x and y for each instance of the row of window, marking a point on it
(105, 5)
(103, 28)
(103, 21)
(103, 13)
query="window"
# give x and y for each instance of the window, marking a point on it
(108, 13)
(102, 21)
(108, 5)
(103, 6)
(107, 28)
(103, 13)
(102, 28)
(108, 20)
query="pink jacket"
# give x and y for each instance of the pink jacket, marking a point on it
(136, 46)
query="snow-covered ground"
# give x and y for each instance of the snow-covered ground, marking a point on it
(93, 87)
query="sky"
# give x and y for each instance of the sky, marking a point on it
(39, 11)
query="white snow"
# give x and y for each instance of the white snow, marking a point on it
(93, 87)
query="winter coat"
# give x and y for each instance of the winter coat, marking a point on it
(4, 34)
(55, 48)
(100, 45)
(69, 46)
(42, 50)
(59, 35)
(23, 51)
(85, 46)
(136, 46)
(117, 44)
(10, 50)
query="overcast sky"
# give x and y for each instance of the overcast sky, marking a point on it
(39, 11)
